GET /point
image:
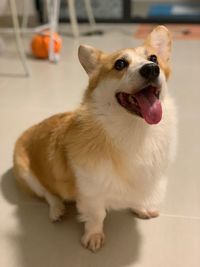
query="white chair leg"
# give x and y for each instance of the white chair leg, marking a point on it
(19, 43)
(48, 10)
(88, 8)
(54, 17)
(73, 17)
(25, 15)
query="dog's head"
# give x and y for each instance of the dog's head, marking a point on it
(132, 81)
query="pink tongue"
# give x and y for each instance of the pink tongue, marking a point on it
(150, 106)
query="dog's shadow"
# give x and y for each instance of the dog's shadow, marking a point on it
(41, 243)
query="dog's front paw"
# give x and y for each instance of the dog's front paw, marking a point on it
(145, 213)
(93, 241)
(57, 212)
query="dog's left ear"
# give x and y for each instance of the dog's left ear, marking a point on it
(89, 58)
(160, 39)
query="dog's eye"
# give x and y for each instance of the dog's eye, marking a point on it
(153, 58)
(120, 64)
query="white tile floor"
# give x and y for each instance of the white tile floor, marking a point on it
(27, 238)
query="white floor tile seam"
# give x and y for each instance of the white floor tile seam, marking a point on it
(179, 216)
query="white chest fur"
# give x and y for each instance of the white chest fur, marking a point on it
(136, 182)
(139, 180)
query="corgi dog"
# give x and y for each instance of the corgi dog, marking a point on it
(113, 151)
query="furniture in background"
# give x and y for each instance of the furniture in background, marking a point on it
(53, 11)
(136, 11)
(73, 16)
(44, 4)
(53, 8)
(18, 38)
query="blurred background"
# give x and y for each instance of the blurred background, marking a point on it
(40, 75)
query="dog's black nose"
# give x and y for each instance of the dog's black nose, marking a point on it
(150, 71)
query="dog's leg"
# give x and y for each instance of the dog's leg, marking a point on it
(143, 213)
(56, 206)
(92, 214)
(149, 208)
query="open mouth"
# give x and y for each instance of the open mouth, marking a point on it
(144, 103)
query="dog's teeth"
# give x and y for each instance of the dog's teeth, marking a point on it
(157, 92)
(132, 99)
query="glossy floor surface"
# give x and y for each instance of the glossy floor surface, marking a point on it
(27, 237)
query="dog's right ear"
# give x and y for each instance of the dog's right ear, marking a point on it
(160, 39)
(89, 57)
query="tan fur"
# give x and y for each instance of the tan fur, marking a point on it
(41, 150)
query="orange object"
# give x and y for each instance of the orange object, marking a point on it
(40, 44)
